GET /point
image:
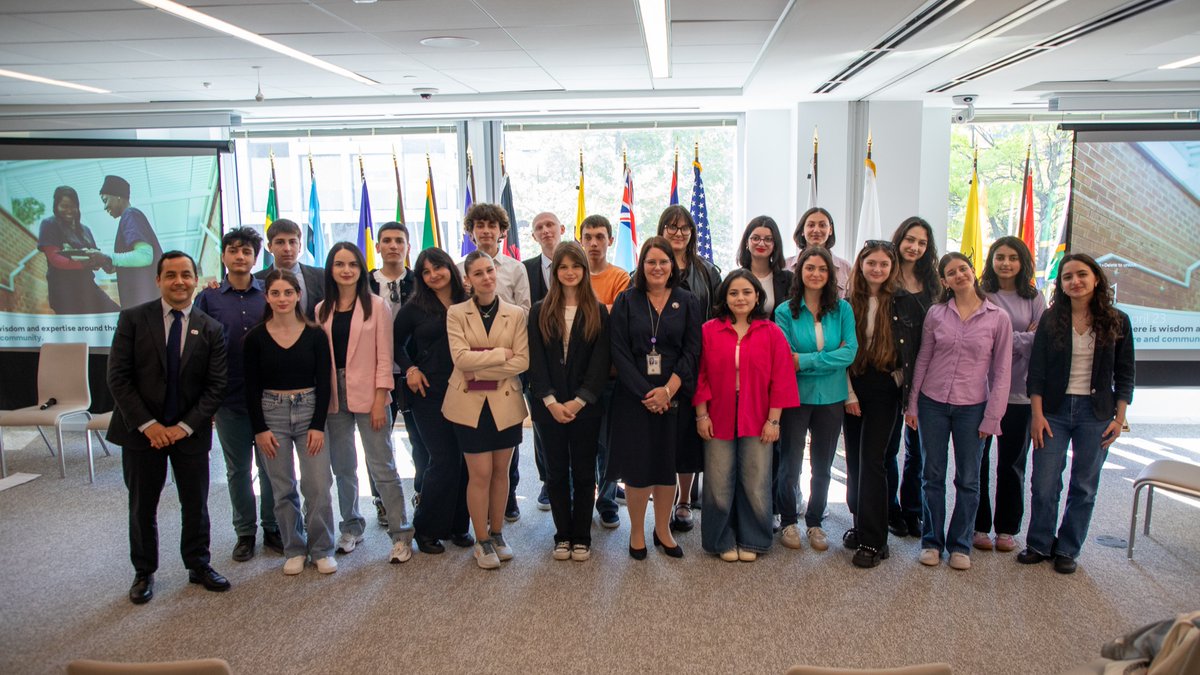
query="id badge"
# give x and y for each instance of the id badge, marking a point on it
(654, 363)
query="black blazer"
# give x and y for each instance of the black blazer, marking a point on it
(420, 339)
(1112, 369)
(314, 286)
(137, 376)
(583, 374)
(908, 322)
(406, 285)
(537, 284)
(781, 285)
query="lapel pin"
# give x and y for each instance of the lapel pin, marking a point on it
(674, 305)
(194, 331)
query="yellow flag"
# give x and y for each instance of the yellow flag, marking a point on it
(972, 236)
(580, 210)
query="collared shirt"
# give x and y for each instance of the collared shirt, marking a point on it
(169, 319)
(386, 286)
(546, 268)
(966, 362)
(512, 281)
(299, 274)
(821, 377)
(238, 311)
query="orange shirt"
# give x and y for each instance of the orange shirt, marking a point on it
(609, 284)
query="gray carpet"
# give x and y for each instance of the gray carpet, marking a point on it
(64, 552)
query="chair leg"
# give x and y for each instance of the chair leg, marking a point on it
(103, 444)
(1149, 509)
(3, 461)
(87, 441)
(1137, 490)
(46, 441)
(62, 458)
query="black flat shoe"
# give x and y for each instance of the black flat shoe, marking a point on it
(897, 526)
(1031, 557)
(142, 589)
(1064, 564)
(273, 541)
(850, 539)
(208, 578)
(637, 553)
(675, 551)
(430, 545)
(464, 540)
(869, 556)
(244, 549)
(914, 525)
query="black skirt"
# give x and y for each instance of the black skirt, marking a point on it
(641, 443)
(486, 437)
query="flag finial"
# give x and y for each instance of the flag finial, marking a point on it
(814, 138)
(362, 172)
(502, 169)
(697, 151)
(870, 142)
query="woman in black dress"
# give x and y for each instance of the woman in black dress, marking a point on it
(655, 329)
(72, 259)
(422, 350)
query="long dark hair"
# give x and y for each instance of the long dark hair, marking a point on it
(879, 352)
(947, 293)
(660, 243)
(829, 292)
(1106, 322)
(551, 320)
(990, 281)
(277, 274)
(425, 297)
(64, 191)
(798, 233)
(925, 268)
(362, 290)
(776, 259)
(721, 302)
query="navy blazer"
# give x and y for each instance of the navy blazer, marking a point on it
(137, 376)
(583, 373)
(678, 341)
(1112, 369)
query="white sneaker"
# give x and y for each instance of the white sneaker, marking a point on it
(293, 566)
(485, 555)
(817, 539)
(401, 552)
(346, 542)
(503, 550)
(581, 552)
(960, 561)
(790, 537)
(562, 550)
(930, 556)
(327, 565)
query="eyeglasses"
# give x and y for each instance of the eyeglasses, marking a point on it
(676, 229)
(394, 291)
(880, 243)
(762, 240)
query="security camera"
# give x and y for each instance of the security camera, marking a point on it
(963, 116)
(259, 97)
(966, 99)
(426, 93)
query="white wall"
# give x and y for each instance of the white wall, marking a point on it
(934, 204)
(770, 177)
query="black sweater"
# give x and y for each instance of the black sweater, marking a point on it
(303, 365)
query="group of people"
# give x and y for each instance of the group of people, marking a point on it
(645, 381)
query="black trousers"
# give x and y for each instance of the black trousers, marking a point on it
(904, 489)
(442, 511)
(866, 449)
(145, 474)
(1011, 458)
(569, 451)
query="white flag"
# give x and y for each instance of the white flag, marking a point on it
(869, 225)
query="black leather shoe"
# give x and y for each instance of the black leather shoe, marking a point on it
(208, 577)
(1064, 564)
(142, 589)
(637, 553)
(244, 550)
(430, 545)
(850, 539)
(273, 541)
(464, 540)
(914, 525)
(897, 526)
(675, 551)
(1031, 557)
(869, 556)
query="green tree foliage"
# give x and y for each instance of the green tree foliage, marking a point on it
(28, 210)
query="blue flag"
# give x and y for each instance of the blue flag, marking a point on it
(366, 238)
(467, 244)
(700, 215)
(316, 235)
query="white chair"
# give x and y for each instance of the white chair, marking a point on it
(62, 376)
(1164, 474)
(98, 425)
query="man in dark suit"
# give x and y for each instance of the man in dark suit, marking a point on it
(283, 242)
(166, 371)
(548, 231)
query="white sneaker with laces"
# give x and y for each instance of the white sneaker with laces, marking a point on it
(562, 550)
(790, 537)
(294, 565)
(503, 550)
(485, 555)
(401, 552)
(346, 542)
(327, 565)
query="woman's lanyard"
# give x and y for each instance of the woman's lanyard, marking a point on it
(654, 359)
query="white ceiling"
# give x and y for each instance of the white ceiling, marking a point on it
(574, 55)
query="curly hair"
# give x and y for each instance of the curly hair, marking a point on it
(721, 303)
(1106, 322)
(486, 211)
(829, 293)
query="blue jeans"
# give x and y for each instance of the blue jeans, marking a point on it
(938, 422)
(737, 495)
(381, 466)
(825, 424)
(288, 417)
(237, 444)
(1076, 424)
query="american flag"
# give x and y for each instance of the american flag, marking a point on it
(700, 215)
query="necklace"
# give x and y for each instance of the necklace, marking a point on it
(488, 313)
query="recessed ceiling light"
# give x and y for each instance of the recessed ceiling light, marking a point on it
(46, 80)
(1181, 64)
(449, 42)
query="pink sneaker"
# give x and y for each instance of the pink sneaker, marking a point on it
(982, 541)
(1005, 543)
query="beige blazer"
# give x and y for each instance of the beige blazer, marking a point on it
(464, 328)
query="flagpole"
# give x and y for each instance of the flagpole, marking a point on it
(471, 173)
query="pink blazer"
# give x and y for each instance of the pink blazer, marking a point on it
(767, 375)
(368, 356)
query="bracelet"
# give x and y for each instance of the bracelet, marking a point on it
(701, 418)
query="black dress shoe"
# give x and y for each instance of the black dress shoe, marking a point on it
(914, 525)
(637, 553)
(1031, 557)
(208, 577)
(430, 545)
(244, 549)
(464, 540)
(897, 526)
(869, 556)
(850, 539)
(1064, 564)
(273, 541)
(142, 589)
(675, 551)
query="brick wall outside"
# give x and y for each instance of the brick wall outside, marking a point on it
(31, 292)
(1123, 203)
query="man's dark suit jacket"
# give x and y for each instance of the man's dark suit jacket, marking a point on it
(537, 283)
(137, 376)
(314, 286)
